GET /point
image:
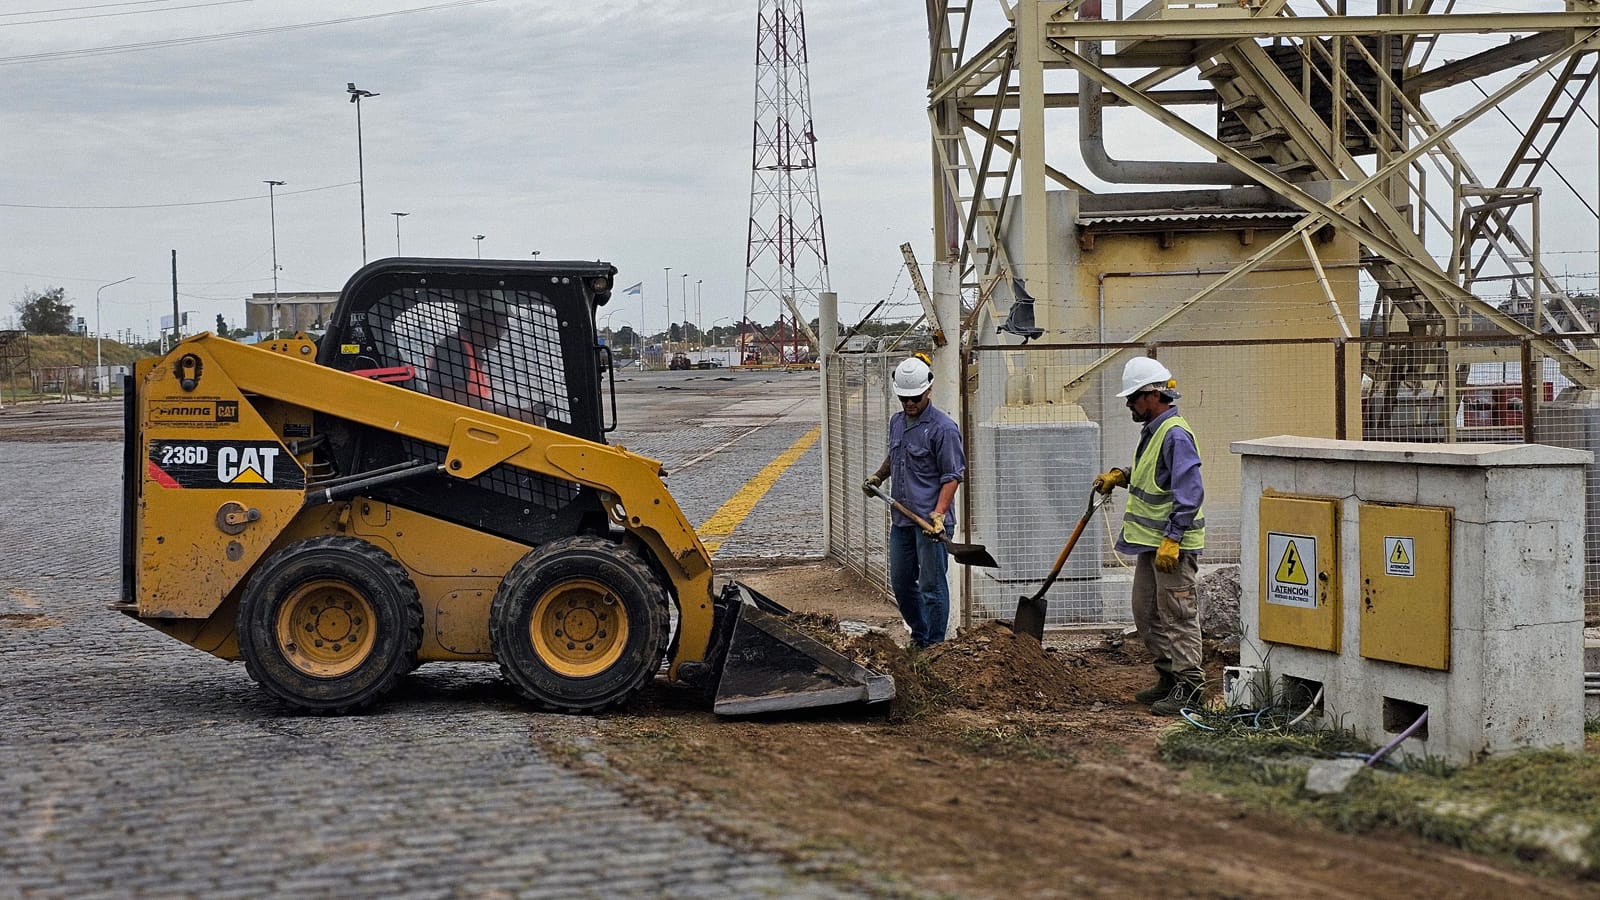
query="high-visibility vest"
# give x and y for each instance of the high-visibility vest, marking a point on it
(1144, 523)
(477, 381)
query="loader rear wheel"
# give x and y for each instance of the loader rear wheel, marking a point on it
(329, 624)
(579, 625)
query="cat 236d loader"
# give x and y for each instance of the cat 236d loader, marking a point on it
(430, 481)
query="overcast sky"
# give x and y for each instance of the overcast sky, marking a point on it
(611, 129)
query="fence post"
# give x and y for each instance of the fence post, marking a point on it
(1340, 395)
(827, 363)
(1529, 381)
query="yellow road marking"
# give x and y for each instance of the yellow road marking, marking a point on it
(737, 508)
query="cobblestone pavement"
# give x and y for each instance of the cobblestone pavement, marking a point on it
(136, 765)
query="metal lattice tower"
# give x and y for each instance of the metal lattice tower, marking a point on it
(786, 254)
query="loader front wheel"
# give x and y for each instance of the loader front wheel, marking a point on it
(579, 625)
(329, 624)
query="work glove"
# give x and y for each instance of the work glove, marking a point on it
(937, 521)
(1105, 482)
(872, 483)
(1167, 555)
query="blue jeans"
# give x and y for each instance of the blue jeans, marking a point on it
(917, 565)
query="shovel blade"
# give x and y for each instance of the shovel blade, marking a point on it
(971, 555)
(1029, 619)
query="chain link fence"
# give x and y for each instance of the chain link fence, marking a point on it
(1042, 420)
(860, 399)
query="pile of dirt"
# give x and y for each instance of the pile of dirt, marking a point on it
(1219, 606)
(989, 667)
(914, 691)
(917, 690)
(985, 667)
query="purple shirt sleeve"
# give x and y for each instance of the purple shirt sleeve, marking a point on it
(952, 454)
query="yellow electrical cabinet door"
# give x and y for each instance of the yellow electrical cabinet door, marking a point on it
(1299, 602)
(1405, 584)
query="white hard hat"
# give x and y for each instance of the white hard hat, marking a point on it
(1142, 372)
(912, 378)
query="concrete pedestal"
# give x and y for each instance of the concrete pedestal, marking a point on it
(1515, 670)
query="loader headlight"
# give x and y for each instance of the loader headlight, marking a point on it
(601, 284)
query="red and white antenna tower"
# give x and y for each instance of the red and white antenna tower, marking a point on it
(786, 254)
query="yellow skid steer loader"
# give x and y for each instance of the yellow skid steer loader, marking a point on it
(430, 481)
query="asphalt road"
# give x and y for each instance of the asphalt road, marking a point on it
(134, 765)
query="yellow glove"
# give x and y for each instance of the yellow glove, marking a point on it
(937, 521)
(1167, 556)
(1105, 482)
(872, 483)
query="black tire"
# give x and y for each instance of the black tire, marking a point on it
(355, 605)
(579, 625)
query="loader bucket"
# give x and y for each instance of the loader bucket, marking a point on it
(770, 665)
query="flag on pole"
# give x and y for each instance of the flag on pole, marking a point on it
(636, 288)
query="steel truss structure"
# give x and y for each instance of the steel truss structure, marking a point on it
(1326, 109)
(786, 251)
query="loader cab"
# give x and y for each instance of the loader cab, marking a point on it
(514, 338)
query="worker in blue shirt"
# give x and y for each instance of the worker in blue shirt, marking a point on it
(926, 463)
(1164, 527)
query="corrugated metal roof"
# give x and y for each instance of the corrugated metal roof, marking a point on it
(1097, 218)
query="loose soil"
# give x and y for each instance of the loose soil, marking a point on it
(1003, 769)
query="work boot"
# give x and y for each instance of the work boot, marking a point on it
(1160, 689)
(1183, 694)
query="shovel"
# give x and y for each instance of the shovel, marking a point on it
(965, 554)
(1029, 619)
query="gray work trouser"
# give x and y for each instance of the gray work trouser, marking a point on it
(1166, 610)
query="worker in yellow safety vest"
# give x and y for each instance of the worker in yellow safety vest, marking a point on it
(1164, 527)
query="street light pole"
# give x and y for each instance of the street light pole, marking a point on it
(697, 318)
(667, 335)
(479, 239)
(272, 210)
(361, 170)
(397, 217)
(683, 293)
(97, 322)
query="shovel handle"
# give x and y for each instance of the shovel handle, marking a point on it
(1071, 542)
(904, 511)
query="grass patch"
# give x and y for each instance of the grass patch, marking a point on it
(1538, 807)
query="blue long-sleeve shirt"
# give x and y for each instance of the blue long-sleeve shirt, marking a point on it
(924, 454)
(1178, 471)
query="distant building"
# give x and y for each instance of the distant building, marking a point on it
(295, 311)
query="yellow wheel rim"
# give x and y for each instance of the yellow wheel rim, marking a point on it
(579, 628)
(326, 628)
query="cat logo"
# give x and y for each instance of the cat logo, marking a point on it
(246, 465)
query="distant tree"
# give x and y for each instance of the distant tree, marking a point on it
(222, 326)
(625, 338)
(674, 333)
(47, 312)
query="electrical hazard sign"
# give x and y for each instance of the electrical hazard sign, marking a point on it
(1291, 558)
(1400, 556)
